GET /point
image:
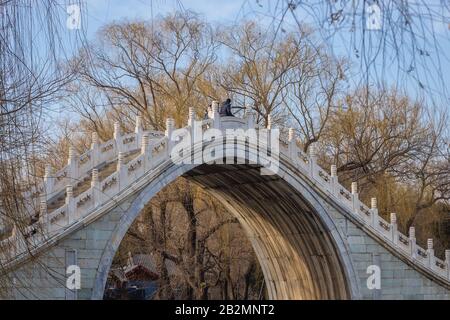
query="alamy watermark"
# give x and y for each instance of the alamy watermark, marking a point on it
(237, 146)
(73, 21)
(374, 280)
(73, 281)
(373, 17)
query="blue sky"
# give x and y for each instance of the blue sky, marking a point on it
(104, 11)
(96, 13)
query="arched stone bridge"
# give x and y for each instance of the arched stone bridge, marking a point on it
(312, 237)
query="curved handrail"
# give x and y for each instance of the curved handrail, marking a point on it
(155, 151)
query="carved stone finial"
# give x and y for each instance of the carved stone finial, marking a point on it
(43, 207)
(215, 107)
(72, 152)
(291, 134)
(138, 124)
(269, 122)
(144, 142)
(333, 170)
(121, 158)
(354, 187)
(191, 117)
(72, 156)
(412, 232)
(393, 218)
(116, 129)
(312, 151)
(69, 191)
(94, 175)
(373, 203)
(145, 139)
(191, 113)
(48, 171)
(94, 138)
(170, 124)
(250, 115)
(430, 244)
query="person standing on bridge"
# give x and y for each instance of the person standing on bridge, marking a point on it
(225, 108)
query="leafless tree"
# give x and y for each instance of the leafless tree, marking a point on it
(154, 69)
(31, 80)
(190, 229)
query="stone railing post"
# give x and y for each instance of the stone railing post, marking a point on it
(95, 150)
(374, 212)
(394, 228)
(72, 162)
(146, 151)
(265, 135)
(121, 169)
(312, 159)
(170, 126)
(430, 254)
(412, 242)
(250, 117)
(70, 202)
(49, 182)
(195, 131)
(117, 136)
(355, 196)
(292, 144)
(191, 118)
(144, 143)
(138, 130)
(269, 123)
(447, 263)
(95, 185)
(334, 179)
(215, 114)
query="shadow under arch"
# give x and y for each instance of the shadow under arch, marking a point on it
(301, 251)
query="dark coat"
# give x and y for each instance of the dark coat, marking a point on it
(225, 108)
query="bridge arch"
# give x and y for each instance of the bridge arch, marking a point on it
(313, 237)
(301, 251)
